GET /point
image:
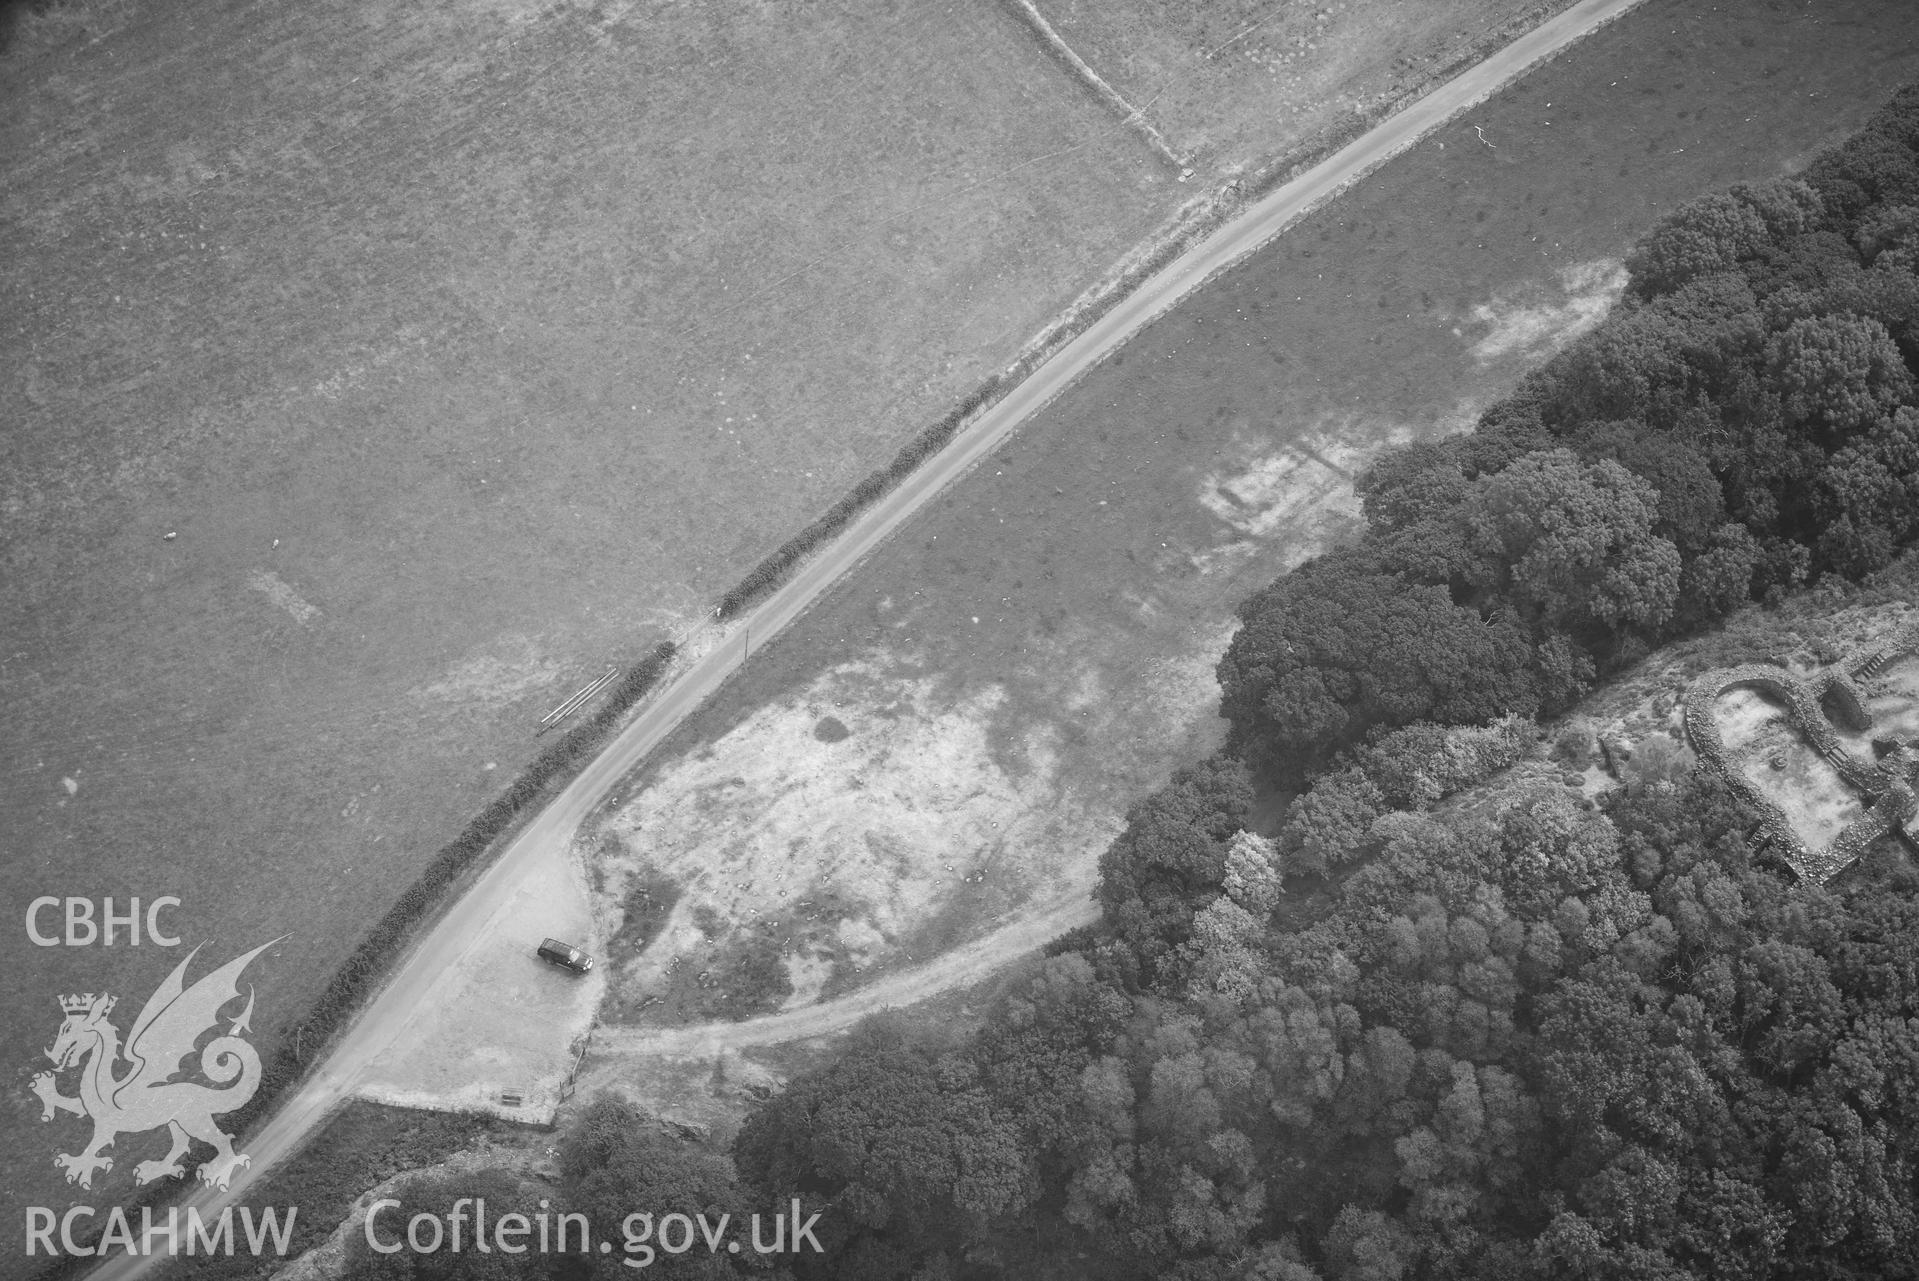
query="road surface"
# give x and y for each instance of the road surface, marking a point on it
(333, 1081)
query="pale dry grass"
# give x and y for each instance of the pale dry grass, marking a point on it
(855, 838)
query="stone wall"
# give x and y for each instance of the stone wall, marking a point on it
(1887, 786)
(1702, 727)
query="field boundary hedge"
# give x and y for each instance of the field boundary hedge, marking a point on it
(359, 975)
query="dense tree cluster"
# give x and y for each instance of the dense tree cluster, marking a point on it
(1744, 422)
(1524, 1038)
(1565, 1042)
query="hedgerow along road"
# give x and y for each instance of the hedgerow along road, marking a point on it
(445, 947)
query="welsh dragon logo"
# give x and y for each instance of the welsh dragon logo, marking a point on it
(145, 1095)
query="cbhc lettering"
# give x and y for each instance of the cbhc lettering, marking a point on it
(82, 929)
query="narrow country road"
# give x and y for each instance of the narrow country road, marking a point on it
(333, 1081)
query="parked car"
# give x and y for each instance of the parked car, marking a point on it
(565, 955)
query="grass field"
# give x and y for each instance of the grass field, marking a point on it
(1214, 77)
(1033, 655)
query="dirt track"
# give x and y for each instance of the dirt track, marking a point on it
(957, 968)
